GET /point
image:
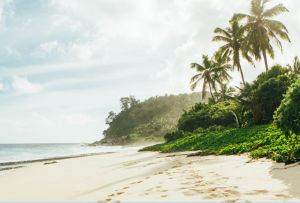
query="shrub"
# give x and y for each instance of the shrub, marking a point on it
(287, 116)
(204, 116)
(267, 98)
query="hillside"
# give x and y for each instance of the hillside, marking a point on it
(146, 121)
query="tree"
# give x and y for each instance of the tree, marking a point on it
(261, 30)
(211, 71)
(296, 65)
(234, 38)
(110, 118)
(124, 103)
(226, 92)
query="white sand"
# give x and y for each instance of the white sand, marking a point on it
(150, 176)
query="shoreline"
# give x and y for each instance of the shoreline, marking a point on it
(51, 159)
(133, 176)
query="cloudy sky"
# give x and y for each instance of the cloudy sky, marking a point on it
(66, 63)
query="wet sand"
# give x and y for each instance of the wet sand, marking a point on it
(150, 176)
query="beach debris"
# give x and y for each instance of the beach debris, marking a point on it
(53, 162)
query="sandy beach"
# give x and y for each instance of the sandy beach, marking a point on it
(150, 176)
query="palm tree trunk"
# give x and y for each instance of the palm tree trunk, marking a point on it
(212, 96)
(265, 59)
(242, 74)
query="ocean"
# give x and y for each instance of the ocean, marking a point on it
(25, 152)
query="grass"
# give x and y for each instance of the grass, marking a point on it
(261, 141)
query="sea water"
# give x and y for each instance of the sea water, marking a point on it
(26, 152)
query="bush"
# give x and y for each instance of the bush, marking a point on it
(267, 98)
(203, 116)
(287, 116)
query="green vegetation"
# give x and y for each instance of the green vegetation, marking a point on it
(231, 122)
(287, 116)
(261, 141)
(147, 121)
(261, 30)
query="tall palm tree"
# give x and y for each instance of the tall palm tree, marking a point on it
(210, 72)
(234, 38)
(260, 29)
(296, 65)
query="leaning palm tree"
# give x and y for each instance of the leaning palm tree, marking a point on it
(296, 65)
(210, 72)
(234, 38)
(261, 30)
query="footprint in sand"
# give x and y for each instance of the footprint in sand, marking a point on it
(147, 177)
(106, 200)
(112, 195)
(133, 183)
(225, 177)
(282, 195)
(140, 182)
(233, 192)
(162, 190)
(125, 188)
(231, 200)
(164, 196)
(261, 191)
(211, 189)
(170, 178)
(119, 193)
(158, 186)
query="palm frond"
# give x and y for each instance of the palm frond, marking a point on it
(219, 38)
(275, 11)
(222, 32)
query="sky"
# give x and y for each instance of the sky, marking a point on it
(66, 63)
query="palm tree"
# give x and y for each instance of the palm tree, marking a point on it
(234, 38)
(226, 92)
(260, 29)
(296, 65)
(210, 72)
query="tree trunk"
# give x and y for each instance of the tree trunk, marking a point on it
(242, 74)
(265, 59)
(212, 96)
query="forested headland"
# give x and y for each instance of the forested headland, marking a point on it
(147, 121)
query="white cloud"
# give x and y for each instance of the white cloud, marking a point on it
(48, 48)
(12, 52)
(78, 119)
(44, 120)
(24, 86)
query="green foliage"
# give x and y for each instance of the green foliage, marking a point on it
(287, 116)
(261, 30)
(261, 141)
(264, 95)
(204, 115)
(267, 98)
(150, 119)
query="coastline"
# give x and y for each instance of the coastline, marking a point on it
(133, 176)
